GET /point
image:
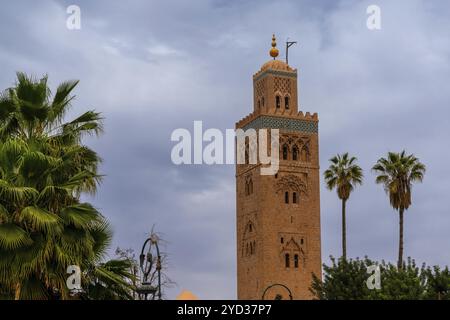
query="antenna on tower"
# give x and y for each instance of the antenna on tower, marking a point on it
(288, 45)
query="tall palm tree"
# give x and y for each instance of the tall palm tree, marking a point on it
(343, 174)
(397, 173)
(44, 168)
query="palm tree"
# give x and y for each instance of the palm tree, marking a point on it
(343, 174)
(111, 280)
(397, 173)
(44, 168)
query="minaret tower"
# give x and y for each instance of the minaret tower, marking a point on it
(278, 216)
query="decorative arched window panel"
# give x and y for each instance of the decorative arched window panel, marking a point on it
(286, 103)
(290, 184)
(304, 154)
(278, 102)
(247, 151)
(295, 153)
(296, 261)
(287, 260)
(285, 151)
(262, 101)
(259, 104)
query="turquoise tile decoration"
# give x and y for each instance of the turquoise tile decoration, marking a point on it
(297, 125)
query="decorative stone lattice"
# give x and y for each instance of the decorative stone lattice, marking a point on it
(260, 88)
(293, 183)
(282, 85)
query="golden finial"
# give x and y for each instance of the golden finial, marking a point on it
(274, 51)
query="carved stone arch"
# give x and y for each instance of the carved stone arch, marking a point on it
(284, 151)
(248, 185)
(292, 183)
(295, 152)
(248, 240)
(305, 154)
(287, 101)
(293, 249)
(291, 245)
(249, 229)
(278, 99)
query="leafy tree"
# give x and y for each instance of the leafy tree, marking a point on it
(343, 174)
(397, 173)
(406, 283)
(438, 283)
(44, 168)
(342, 280)
(347, 280)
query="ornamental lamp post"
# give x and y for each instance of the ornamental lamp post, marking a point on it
(150, 266)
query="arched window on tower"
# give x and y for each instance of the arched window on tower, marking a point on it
(296, 261)
(247, 151)
(287, 261)
(294, 197)
(278, 102)
(295, 153)
(262, 101)
(286, 103)
(285, 152)
(286, 197)
(259, 104)
(304, 155)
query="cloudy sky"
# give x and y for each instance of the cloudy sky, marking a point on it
(153, 66)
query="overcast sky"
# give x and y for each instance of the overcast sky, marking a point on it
(153, 66)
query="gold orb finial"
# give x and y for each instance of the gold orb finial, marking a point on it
(274, 51)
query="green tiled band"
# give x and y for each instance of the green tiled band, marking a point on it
(283, 123)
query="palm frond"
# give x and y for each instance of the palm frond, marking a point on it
(13, 237)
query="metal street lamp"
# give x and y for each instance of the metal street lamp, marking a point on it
(149, 267)
(278, 296)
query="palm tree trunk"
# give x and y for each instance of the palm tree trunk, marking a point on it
(400, 240)
(17, 291)
(344, 233)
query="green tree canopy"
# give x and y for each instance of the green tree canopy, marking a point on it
(44, 168)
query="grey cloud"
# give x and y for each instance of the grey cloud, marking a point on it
(152, 67)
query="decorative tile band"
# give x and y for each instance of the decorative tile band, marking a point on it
(283, 124)
(276, 73)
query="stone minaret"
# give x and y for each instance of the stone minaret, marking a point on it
(278, 216)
